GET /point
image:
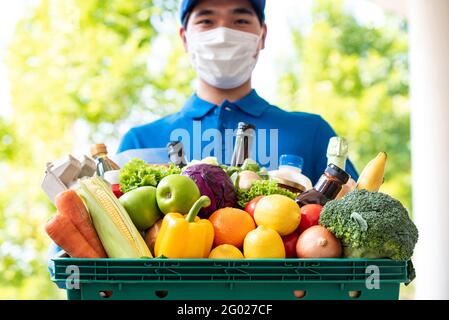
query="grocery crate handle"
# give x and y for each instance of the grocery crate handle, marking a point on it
(411, 273)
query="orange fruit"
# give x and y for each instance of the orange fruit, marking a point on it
(231, 226)
(226, 251)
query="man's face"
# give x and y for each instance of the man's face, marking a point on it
(233, 14)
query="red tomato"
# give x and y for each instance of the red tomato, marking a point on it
(251, 206)
(310, 215)
(290, 242)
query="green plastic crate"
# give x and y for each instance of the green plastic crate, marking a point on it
(286, 279)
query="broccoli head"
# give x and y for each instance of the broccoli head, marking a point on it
(371, 225)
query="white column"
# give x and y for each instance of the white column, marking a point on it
(429, 38)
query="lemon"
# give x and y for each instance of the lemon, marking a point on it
(226, 251)
(263, 243)
(279, 213)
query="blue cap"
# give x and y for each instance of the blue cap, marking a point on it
(291, 160)
(187, 6)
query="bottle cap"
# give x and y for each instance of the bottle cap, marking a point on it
(97, 149)
(338, 173)
(245, 126)
(291, 160)
(113, 176)
(337, 147)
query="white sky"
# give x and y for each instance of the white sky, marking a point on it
(10, 12)
(280, 15)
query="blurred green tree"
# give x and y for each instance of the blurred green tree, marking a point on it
(356, 76)
(74, 61)
(7, 140)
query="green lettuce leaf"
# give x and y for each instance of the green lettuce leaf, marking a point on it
(261, 188)
(137, 173)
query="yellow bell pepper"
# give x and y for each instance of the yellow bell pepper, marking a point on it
(186, 237)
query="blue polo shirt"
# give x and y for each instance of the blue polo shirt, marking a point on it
(206, 129)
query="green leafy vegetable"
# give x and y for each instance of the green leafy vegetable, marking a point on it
(263, 173)
(230, 170)
(137, 173)
(250, 165)
(261, 188)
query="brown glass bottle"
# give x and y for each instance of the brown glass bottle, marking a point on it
(100, 153)
(326, 189)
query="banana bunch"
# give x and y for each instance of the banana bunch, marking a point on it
(372, 176)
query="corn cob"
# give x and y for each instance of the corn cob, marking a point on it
(119, 236)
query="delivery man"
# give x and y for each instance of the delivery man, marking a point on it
(224, 39)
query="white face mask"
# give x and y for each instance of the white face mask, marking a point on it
(223, 57)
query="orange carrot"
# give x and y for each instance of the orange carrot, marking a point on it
(63, 232)
(69, 204)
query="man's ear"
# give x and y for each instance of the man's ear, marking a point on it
(182, 34)
(264, 36)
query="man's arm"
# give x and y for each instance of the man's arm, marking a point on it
(53, 251)
(129, 142)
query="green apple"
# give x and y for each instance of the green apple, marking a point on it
(142, 207)
(177, 194)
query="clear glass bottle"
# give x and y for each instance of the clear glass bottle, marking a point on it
(103, 164)
(243, 144)
(326, 189)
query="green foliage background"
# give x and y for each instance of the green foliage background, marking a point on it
(356, 76)
(87, 61)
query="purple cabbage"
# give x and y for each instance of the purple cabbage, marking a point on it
(213, 182)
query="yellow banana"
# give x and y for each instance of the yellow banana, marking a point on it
(372, 176)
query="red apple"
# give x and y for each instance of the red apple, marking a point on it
(290, 245)
(310, 216)
(251, 206)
